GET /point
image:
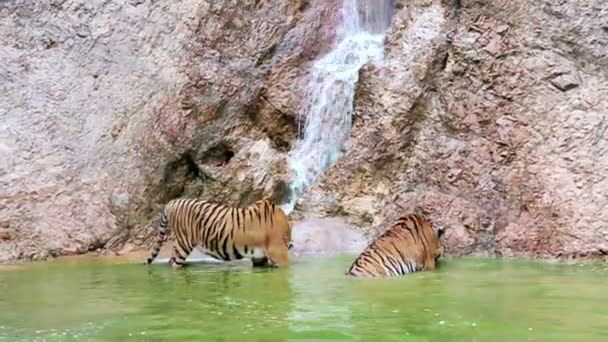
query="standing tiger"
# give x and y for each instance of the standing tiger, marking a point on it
(410, 245)
(261, 232)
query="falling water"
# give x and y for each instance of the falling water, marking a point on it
(328, 104)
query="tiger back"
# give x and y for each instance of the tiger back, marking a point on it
(261, 232)
(410, 245)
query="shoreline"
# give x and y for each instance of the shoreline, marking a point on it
(138, 256)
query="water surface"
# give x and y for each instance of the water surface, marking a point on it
(464, 300)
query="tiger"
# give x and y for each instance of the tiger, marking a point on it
(260, 232)
(410, 245)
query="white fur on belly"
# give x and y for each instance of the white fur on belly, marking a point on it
(256, 252)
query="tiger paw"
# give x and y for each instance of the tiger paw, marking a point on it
(259, 262)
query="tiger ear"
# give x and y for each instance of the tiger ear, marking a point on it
(440, 232)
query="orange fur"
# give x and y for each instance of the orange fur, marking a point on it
(410, 245)
(261, 232)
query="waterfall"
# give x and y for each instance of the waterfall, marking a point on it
(329, 95)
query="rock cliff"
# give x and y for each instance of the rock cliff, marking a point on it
(112, 107)
(490, 116)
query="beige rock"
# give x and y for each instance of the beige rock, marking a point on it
(313, 237)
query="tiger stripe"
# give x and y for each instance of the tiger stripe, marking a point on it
(410, 245)
(261, 232)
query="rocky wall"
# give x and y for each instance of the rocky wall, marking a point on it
(489, 116)
(492, 117)
(111, 108)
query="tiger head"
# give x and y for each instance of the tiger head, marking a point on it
(438, 230)
(281, 223)
(284, 226)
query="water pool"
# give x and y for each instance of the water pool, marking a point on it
(464, 300)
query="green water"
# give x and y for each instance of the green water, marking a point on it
(464, 300)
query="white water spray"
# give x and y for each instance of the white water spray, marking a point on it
(328, 104)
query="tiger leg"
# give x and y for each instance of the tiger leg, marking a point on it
(259, 262)
(179, 255)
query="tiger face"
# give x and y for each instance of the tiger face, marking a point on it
(288, 241)
(285, 227)
(439, 232)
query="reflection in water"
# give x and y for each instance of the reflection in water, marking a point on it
(56, 304)
(311, 300)
(228, 300)
(320, 310)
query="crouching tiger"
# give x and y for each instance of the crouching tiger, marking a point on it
(410, 245)
(261, 232)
